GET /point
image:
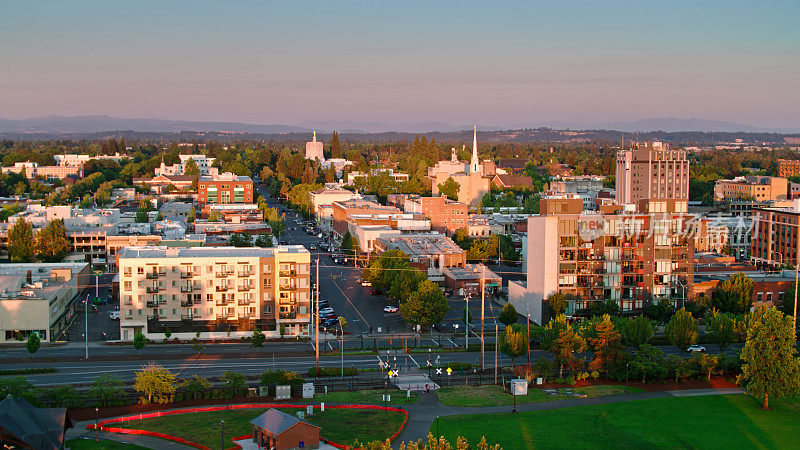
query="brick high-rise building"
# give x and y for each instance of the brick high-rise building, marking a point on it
(788, 168)
(774, 235)
(214, 290)
(651, 171)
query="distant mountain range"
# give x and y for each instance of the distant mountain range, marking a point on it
(95, 124)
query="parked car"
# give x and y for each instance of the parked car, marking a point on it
(696, 348)
(326, 310)
(366, 284)
(390, 309)
(331, 322)
(113, 315)
(312, 247)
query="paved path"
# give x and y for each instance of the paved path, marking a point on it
(422, 414)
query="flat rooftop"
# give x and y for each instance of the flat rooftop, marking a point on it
(207, 252)
(423, 244)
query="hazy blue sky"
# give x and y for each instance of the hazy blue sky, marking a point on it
(489, 62)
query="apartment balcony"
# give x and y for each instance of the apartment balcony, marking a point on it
(244, 302)
(244, 288)
(187, 288)
(287, 273)
(186, 304)
(151, 275)
(222, 288)
(186, 317)
(246, 316)
(288, 315)
(151, 304)
(185, 275)
(287, 287)
(221, 274)
(152, 289)
(245, 274)
(222, 303)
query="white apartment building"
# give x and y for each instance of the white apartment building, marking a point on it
(204, 164)
(218, 291)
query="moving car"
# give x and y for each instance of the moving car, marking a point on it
(696, 348)
(390, 309)
(113, 315)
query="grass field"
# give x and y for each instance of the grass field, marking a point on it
(90, 444)
(720, 421)
(339, 425)
(491, 395)
(365, 397)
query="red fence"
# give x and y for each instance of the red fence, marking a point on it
(102, 424)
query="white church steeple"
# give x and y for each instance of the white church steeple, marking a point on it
(474, 166)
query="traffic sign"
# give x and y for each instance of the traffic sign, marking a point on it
(449, 371)
(390, 373)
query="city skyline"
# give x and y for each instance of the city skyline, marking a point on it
(457, 63)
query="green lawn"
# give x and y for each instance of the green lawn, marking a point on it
(339, 425)
(720, 421)
(491, 395)
(90, 444)
(365, 397)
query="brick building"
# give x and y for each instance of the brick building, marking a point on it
(446, 215)
(225, 188)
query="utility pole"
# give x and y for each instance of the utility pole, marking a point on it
(316, 323)
(796, 262)
(528, 332)
(483, 295)
(495, 350)
(86, 326)
(466, 323)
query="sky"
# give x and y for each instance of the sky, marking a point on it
(459, 62)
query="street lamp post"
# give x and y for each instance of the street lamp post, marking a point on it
(466, 323)
(96, 429)
(222, 431)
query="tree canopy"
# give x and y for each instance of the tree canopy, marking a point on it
(426, 306)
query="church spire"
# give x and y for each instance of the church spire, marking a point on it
(474, 163)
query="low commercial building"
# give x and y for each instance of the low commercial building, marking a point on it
(214, 291)
(430, 252)
(756, 188)
(233, 212)
(163, 183)
(39, 298)
(509, 181)
(204, 166)
(398, 177)
(466, 281)
(33, 170)
(342, 210)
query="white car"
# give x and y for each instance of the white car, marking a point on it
(113, 315)
(366, 284)
(389, 309)
(326, 310)
(696, 348)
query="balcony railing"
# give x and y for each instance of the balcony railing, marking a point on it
(151, 275)
(186, 304)
(244, 288)
(186, 275)
(152, 289)
(287, 287)
(288, 315)
(222, 302)
(244, 302)
(221, 274)
(223, 288)
(186, 288)
(287, 273)
(152, 304)
(245, 274)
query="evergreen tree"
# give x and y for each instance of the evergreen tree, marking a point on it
(336, 147)
(508, 315)
(450, 188)
(190, 168)
(21, 244)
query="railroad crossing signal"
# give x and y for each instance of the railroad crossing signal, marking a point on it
(439, 371)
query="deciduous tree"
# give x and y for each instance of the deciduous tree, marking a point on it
(508, 315)
(721, 328)
(681, 330)
(770, 365)
(734, 295)
(21, 244)
(33, 343)
(606, 345)
(154, 380)
(426, 306)
(557, 302)
(52, 244)
(637, 331)
(450, 188)
(512, 342)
